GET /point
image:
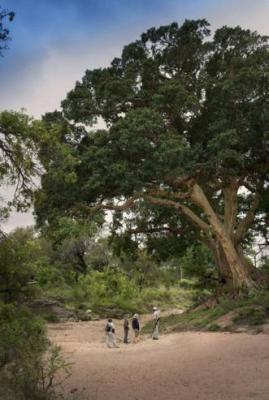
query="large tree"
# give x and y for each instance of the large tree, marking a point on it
(186, 143)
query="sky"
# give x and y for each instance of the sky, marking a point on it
(55, 41)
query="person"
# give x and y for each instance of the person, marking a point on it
(125, 328)
(156, 323)
(136, 327)
(110, 334)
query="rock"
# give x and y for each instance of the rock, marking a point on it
(110, 312)
(52, 310)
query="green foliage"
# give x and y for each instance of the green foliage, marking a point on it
(108, 288)
(112, 289)
(197, 263)
(250, 315)
(193, 320)
(28, 361)
(71, 241)
(249, 311)
(265, 264)
(213, 327)
(50, 274)
(20, 334)
(18, 154)
(67, 228)
(50, 317)
(144, 270)
(18, 252)
(181, 109)
(111, 282)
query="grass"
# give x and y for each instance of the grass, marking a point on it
(191, 320)
(164, 298)
(50, 317)
(250, 315)
(250, 311)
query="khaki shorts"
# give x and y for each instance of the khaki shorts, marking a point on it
(136, 332)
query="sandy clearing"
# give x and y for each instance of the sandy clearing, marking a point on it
(180, 366)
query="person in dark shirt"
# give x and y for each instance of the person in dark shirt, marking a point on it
(125, 329)
(136, 327)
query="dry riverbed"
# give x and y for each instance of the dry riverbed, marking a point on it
(180, 366)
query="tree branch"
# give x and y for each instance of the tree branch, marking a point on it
(180, 207)
(110, 206)
(155, 230)
(151, 199)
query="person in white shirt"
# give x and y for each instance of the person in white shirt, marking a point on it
(156, 323)
(110, 334)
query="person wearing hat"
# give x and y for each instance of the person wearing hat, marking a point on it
(156, 323)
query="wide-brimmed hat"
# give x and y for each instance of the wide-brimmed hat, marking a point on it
(154, 308)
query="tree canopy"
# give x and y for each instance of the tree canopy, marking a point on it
(186, 143)
(19, 135)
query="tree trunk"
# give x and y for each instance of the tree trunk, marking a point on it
(223, 234)
(224, 270)
(258, 276)
(242, 277)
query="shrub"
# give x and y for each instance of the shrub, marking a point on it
(251, 315)
(28, 361)
(213, 327)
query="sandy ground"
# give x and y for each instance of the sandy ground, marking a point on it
(180, 366)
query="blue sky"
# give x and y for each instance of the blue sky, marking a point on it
(55, 41)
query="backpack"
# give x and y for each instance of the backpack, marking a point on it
(109, 328)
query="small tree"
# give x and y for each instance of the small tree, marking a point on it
(17, 266)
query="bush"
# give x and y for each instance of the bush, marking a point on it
(213, 327)
(105, 287)
(251, 315)
(28, 362)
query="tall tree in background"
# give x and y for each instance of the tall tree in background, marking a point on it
(186, 140)
(4, 31)
(19, 135)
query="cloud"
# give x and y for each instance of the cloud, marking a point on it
(38, 75)
(40, 83)
(17, 220)
(248, 14)
(38, 80)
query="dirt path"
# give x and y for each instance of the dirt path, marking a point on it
(182, 366)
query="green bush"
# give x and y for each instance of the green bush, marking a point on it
(251, 315)
(107, 286)
(50, 317)
(28, 362)
(213, 327)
